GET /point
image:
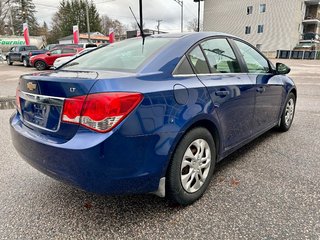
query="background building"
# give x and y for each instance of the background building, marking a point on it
(270, 25)
(95, 37)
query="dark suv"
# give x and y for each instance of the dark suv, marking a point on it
(22, 54)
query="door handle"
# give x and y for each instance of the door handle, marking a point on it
(261, 89)
(222, 93)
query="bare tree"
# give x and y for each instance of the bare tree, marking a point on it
(193, 25)
(118, 27)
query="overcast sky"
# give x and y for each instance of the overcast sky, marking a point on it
(153, 10)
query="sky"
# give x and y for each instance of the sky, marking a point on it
(166, 10)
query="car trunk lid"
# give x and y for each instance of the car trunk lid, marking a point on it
(41, 97)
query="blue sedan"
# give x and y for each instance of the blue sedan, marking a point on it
(156, 117)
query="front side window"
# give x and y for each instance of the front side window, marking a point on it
(255, 62)
(220, 56)
(198, 61)
(248, 30)
(262, 8)
(69, 50)
(127, 55)
(56, 51)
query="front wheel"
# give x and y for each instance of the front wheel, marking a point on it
(288, 113)
(9, 61)
(191, 167)
(40, 65)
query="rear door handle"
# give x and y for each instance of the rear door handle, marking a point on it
(222, 93)
(261, 89)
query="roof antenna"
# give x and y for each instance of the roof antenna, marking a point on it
(141, 22)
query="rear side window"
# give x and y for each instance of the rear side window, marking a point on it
(220, 56)
(198, 61)
(255, 62)
(183, 68)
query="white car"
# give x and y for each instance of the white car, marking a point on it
(59, 61)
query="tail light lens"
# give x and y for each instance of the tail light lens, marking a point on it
(30, 54)
(18, 99)
(100, 112)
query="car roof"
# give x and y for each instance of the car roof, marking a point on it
(199, 35)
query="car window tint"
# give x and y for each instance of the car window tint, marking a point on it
(184, 67)
(27, 48)
(56, 51)
(220, 56)
(198, 60)
(255, 62)
(127, 55)
(69, 50)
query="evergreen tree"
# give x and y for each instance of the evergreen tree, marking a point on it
(73, 12)
(23, 11)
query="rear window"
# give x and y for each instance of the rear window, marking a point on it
(27, 48)
(126, 55)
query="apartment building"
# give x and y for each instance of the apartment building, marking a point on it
(270, 25)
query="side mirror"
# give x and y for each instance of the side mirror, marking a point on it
(49, 53)
(282, 69)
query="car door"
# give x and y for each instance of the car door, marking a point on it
(231, 90)
(15, 55)
(269, 87)
(54, 54)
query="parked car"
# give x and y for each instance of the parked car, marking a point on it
(128, 118)
(87, 45)
(22, 54)
(45, 61)
(62, 60)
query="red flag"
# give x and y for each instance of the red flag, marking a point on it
(26, 34)
(111, 35)
(75, 34)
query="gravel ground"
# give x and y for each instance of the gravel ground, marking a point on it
(270, 189)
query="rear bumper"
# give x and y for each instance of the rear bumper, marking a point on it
(100, 163)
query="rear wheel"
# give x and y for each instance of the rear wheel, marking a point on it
(40, 65)
(191, 167)
(9, 61)
(288, 113)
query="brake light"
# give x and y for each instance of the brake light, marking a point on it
(18, 99)
(30, 54)
(100, 112)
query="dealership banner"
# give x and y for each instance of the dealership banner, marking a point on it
(111, 35)
(26, 34)
(75, 34)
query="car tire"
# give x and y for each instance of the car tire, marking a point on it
(25, 62)
(40, 65)
(9, 61)
(288, 113)
(191, 167)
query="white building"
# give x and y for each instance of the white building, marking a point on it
(267, 24)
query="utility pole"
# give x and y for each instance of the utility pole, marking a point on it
(158, 26)
(198, 1)
(88, 21)
(180, 2)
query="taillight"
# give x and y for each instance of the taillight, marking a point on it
(100, 112)
(30, 54)
(18, 99)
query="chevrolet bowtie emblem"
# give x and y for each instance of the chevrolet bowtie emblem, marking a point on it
(31, 86)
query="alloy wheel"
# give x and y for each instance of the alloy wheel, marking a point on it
(195, 165)
(289, 111)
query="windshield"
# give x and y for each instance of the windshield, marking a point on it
(125, 56)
